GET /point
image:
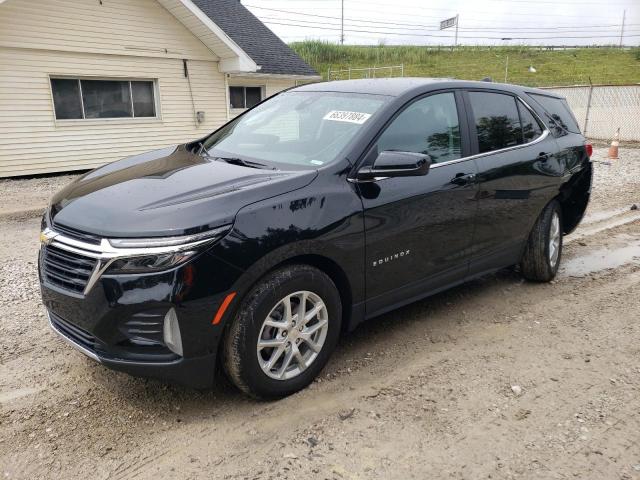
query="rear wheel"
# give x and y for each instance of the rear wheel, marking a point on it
(284, 332)
(542, 254)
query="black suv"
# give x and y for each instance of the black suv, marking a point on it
(321, 207)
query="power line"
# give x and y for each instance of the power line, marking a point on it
(325, 27)
(414, 13)
(385, 29)
(422, 26)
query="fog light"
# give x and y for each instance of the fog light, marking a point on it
(171, 332)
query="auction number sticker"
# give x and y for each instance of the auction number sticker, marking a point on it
(343, 116)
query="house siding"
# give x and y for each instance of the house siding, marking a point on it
(34, 142)
(120, 39)
(118, 27)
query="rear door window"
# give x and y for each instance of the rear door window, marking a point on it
(559, 113)
(497, 120)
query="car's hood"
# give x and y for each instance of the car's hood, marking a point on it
(166, 192)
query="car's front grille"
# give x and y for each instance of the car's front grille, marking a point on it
(67, 270)
(73, 332)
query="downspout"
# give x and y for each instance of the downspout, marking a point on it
(193, 103)
(226, 94)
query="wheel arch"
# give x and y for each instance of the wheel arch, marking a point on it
(574, 198)
(331, 268)
(266, 266)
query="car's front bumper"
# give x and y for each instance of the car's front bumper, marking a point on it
(119, 322)
(192, 372)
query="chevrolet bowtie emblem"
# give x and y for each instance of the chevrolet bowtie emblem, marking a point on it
(47, 236)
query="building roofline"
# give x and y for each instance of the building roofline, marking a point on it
(240, 61)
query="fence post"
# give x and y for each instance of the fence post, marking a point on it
(402, 70)
(506, 69)
(329, 74)
(349, 73)
(586, 116)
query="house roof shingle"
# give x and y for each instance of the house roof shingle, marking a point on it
(252, 36)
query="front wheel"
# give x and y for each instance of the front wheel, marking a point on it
(284, 332)
(542, 254)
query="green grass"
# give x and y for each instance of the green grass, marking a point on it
(553, 67)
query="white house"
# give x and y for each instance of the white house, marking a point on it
(86, 82)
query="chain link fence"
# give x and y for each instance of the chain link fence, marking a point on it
(366, 72)
(602, 109)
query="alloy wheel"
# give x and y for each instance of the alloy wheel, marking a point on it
(292, 335)
(554, 239)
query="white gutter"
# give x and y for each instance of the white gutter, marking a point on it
(281, 76)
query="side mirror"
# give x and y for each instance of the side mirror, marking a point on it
(395, 164)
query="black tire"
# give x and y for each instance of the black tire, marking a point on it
(536, 264)
(240, 344)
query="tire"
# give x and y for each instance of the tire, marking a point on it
(539, 264)
(247, 363)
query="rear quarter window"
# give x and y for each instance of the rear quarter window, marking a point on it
(559, 111)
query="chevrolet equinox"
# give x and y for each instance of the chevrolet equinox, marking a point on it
(256, 246)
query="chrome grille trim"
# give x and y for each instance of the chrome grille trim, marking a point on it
(89, 353)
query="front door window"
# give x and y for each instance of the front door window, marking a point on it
(429, 126)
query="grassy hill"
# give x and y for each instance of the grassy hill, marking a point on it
(553, 67)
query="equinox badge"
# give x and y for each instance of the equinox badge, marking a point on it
(391, 258)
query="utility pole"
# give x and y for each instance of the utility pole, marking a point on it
(624, 14)
(342, 23)
(457, 20)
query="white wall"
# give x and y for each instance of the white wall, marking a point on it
(32, 141)
(118, 27)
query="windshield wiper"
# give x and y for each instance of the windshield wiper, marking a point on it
(240, 161)
(233, 160)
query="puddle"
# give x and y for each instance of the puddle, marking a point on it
(602, 259)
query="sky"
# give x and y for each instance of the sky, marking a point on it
(481, 22)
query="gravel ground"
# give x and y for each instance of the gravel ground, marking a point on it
(498, 378)
(29, 193)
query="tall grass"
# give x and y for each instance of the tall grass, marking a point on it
(553, 67)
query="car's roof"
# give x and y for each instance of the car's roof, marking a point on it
(396, 87)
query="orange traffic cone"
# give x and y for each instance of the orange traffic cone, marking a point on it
(613, 149)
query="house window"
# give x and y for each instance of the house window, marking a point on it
(76, 99)
(245, 97)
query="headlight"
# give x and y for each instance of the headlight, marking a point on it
(142, 255)
(149, 263)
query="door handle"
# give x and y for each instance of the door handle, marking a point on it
(464, 179)
(543, 157)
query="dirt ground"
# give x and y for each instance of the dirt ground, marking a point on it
(496, 379)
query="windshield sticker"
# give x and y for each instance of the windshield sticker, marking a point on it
(351, 117)
(316, 162)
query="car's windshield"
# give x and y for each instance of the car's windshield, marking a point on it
(303, 129)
